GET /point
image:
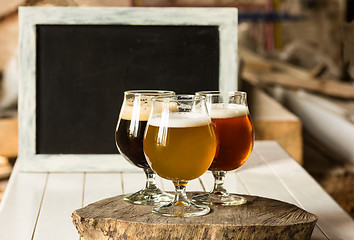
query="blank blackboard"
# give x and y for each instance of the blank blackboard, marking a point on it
(83, 71)
(76, 62)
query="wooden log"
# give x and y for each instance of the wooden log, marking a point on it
(7, 7)
(274, 122)
(5, 168)
(9, 137)
(348, 42)
(104, 3)
(259, 218)
(8, 39)
(260, 71)
(328, 87)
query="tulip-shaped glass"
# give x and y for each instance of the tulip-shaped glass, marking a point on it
(235, 138)
(180, 145)
(130, 130)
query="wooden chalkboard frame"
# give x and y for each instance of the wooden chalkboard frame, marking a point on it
(29, 17)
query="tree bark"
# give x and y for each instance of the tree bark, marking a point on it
(259, 218)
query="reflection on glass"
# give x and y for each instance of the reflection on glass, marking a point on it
(235, 138)
(130, 129)
(180, 144)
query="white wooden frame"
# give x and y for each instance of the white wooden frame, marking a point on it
(29, 17)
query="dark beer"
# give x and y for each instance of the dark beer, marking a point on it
(129, 139)
(129, 135)
(131, 124)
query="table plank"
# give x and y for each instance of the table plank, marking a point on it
(102, 185)
(260, 180)
(231, 182)
(195, 185)
(166, 185)
(333, 220)
(21, 204)
(63, 194)
(133, 182)
(40, 204)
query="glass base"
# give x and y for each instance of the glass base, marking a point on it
(222, 199)
(181, 209)
(153, 197)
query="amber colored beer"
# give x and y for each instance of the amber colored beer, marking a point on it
(234, 134)
(182, 149)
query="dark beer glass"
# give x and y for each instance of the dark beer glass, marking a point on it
(130, 129)
(235, 137)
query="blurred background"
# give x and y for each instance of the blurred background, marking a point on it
(295, 61)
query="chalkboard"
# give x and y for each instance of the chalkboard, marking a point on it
(76, 64)
(83, 71)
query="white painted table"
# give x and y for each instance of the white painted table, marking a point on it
(39, 205)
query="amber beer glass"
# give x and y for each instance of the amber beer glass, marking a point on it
(235, 138)
(130, 129)
(180, 145)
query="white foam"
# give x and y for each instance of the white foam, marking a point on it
(179, 120)
(227, 111)
(144, 111)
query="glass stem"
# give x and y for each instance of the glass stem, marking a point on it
(219, 189)
(150, 179)
(180, 196)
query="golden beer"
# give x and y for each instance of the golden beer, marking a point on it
(180, 149)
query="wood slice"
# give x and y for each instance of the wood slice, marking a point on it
(259, 218)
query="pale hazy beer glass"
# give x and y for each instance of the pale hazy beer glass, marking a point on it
(179, 145)
(130, 130)
(235, 138)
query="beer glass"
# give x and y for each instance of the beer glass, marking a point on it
(179, 145)
(129, 135)
(235, 138)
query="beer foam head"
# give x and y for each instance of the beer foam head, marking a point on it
(179, 119)
(227, 111)
(130, 109)
(143, 108)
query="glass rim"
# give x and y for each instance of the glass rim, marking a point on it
(185, 98)
(215, 93)
(149, 92)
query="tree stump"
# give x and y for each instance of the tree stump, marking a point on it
(259, 218)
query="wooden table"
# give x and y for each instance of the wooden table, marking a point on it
(39, 205)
